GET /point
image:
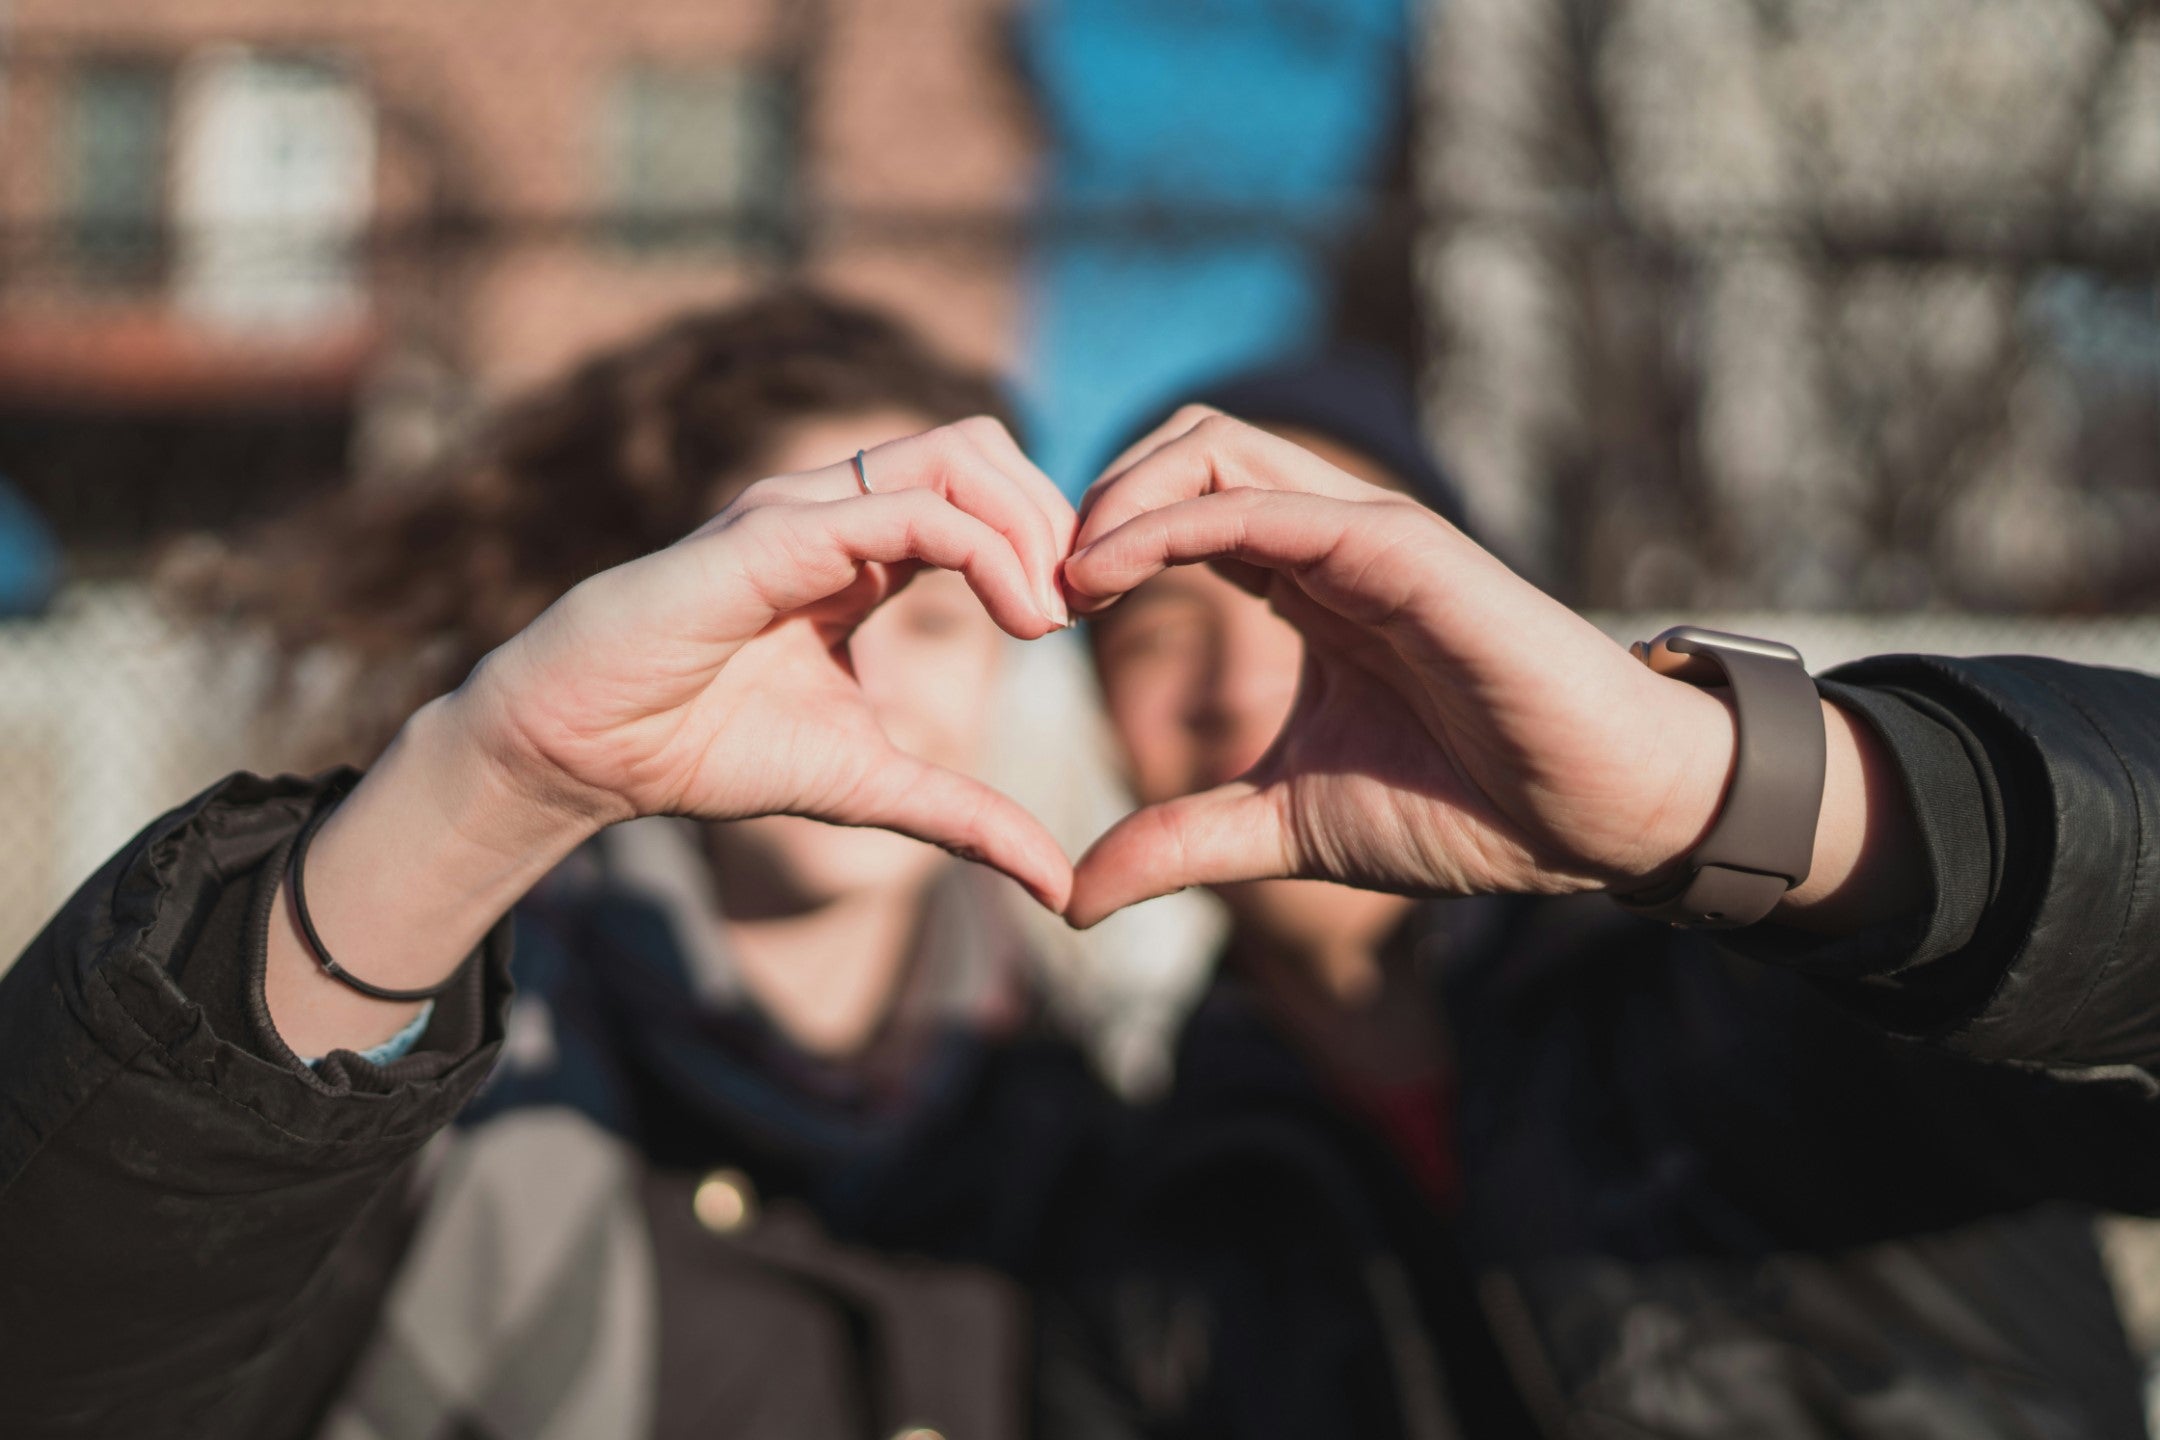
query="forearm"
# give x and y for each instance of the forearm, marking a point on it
(433, 847)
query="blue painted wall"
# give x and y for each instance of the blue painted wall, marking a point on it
(1209, 109)
(29, 559)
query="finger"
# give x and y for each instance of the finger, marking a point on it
(1181, 421)
(1218, 453)
(964, 816)
(1234, 832)
(1364, 560)
(1004, 451)
(951, 461)
(795, 555)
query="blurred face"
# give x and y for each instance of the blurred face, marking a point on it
(1198, 677)
(928, 663)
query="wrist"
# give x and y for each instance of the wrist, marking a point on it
(406, 877)
(1762, 839)
(512, 795)
(493, 804)
(1866, 866)
(1698, 733)
(496, 720)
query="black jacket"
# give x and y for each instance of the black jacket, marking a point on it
(193, 1234)
(1702, 1195)
(548, 1267)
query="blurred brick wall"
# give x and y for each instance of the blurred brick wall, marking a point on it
(489, 112)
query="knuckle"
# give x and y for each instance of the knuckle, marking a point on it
(916, 503)
(950, 443)
(1217, 427)
(980, 428)
(764, 492)
(950, 455)
(756, 524)
(1227, 441)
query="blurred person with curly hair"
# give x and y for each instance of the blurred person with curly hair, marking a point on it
(781, 1128)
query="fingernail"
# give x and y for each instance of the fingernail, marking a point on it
(1065, 571)
(1053, 606)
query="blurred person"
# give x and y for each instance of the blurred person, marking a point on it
(196, 1221)
(1509, 1165)
(781, 1127)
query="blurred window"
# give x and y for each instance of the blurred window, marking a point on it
(274, 183)
(699, 158)
(118, 113)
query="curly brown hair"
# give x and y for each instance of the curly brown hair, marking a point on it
(408, 588)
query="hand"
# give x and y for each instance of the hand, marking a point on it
(709, 679)
(712, 679)
(1456, 731)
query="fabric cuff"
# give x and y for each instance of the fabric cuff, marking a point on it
(1947, 789)
(159, 958)
(454, 1026)
(397, 1047)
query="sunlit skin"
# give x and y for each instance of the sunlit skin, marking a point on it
(713, 679)
(1428, 748)
(1198, 676)
(821, 915)
(1457, 733)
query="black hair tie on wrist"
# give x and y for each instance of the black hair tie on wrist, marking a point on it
(321, 952)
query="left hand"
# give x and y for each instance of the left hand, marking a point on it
(1456, 731)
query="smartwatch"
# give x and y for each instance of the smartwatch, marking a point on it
(1764, 838)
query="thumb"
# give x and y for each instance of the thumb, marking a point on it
(1233, 832)
(964, 816)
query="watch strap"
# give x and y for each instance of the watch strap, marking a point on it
(1710, 897)
(1763, 841)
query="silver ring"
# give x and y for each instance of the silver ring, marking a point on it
(862, 474)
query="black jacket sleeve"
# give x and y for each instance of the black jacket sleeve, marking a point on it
(192, 1219)
(2036, 785)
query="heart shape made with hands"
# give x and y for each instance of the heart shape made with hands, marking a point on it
(1455, 731)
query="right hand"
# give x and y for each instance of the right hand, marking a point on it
(1456, 731)
(711, 679)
